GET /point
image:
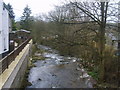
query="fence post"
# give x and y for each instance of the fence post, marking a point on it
(7, 62)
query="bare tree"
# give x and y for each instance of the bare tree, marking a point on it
(82, 24)
(100, 13)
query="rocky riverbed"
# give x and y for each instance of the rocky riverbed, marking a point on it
(57, 71)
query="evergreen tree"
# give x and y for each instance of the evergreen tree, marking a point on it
(26, 19)
(9, 6)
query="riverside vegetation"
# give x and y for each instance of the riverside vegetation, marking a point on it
(82, 32)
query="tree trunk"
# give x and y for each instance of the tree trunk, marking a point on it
(104, 6)
(101, 52)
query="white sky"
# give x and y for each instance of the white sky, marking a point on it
(37, 6)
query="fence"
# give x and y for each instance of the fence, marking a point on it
(6, 61)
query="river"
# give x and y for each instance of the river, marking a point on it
(58, 72)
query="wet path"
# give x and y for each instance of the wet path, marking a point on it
(58, 72)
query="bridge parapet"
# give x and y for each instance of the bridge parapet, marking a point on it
(13, 66)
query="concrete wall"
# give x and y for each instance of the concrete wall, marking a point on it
(17, 75)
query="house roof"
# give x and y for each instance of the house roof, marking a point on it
(22, 30)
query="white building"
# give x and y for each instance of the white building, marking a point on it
(5, 28)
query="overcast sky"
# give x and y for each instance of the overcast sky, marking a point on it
(37, 6)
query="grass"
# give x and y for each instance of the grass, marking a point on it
(94, 75)
(94, 72)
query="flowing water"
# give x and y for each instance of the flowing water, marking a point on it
(58, 72)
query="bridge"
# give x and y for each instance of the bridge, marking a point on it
(14, 65)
